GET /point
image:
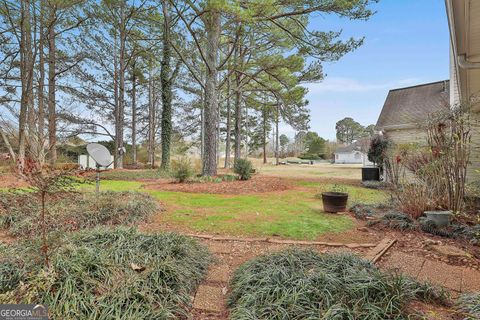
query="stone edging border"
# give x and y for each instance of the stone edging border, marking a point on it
(279, 241)
(376, 253)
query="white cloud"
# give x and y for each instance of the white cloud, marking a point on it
(339, 84)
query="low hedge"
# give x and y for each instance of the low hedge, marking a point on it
(20, 210)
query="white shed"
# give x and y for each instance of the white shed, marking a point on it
(87, 162)
(351, 154)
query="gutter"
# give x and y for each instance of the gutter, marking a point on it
(453, 41)
(465, 64)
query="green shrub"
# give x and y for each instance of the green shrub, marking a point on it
(311, 156)
(72, 211)
(303, 284)
(398, 221)
(229, 177)
(244, 168)
(182, 169)
(362, 211)
(109, 274)
(429, 226)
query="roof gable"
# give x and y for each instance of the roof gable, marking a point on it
(413, 105)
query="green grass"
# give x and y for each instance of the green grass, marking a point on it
(107, 274)
(135, 174)
(303, 284)
(113, 185)
(295, 214)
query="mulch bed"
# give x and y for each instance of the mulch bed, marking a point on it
(8, 180)
(257, 184)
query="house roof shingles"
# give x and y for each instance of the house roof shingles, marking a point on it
(412, 106)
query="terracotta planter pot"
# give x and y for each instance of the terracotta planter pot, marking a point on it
(334, 202)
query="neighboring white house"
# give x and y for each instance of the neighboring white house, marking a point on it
(351, 154)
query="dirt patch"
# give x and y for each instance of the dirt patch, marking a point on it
(257, 184)
(432, 311)
(8, 180)
(361, 233)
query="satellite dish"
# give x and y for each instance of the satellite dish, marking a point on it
(102, 157)
(100, 154)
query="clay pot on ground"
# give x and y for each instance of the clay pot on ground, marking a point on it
(334, 202)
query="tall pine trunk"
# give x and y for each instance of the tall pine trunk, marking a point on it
(32, 114)
(151, 121)
(41, 87)
(52, 114)
(239, 63)
(121, 92)
(228, 127)
(277, 119)
(115, 97)
(24, 77)
(264, 118)
(166, 82)
(211, 94)
(134, 114)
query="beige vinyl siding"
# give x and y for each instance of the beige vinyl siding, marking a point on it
(473, 173)
(404, 136)
(407, 136)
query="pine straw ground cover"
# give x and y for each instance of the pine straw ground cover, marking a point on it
(302, 284)
(107, 274)
(19, 210)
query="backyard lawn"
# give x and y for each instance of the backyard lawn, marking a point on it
(294, 213)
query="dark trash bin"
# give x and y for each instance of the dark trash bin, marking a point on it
(370, 174)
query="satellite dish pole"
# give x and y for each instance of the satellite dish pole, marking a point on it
(102, 158)
(97, 180)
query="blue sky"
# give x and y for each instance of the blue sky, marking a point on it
(406, 43)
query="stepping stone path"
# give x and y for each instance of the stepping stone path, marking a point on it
(456, 278)
(211, 297)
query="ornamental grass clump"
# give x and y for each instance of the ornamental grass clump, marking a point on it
(70, 211)
(303, 284)
(244, 168)
(107, 274)
(469, 306)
